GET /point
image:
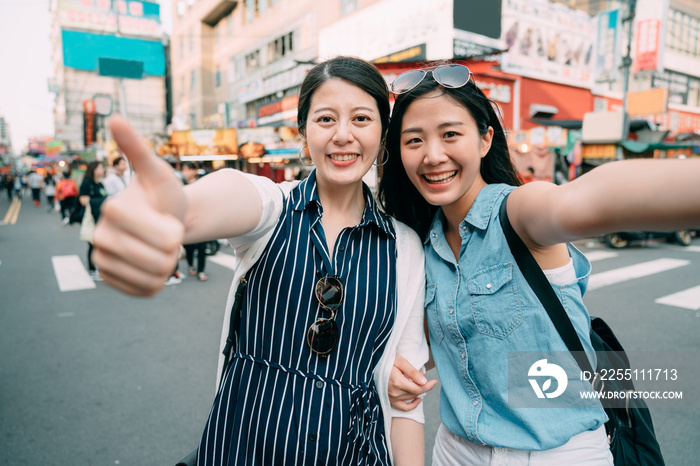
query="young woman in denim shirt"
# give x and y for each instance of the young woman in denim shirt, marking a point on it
(448, 172)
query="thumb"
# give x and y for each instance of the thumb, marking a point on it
(153, 174)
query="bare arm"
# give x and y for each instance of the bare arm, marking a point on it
(626, 195)
(223, 204)
(407, 442)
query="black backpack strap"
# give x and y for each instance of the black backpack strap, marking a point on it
(544, 291)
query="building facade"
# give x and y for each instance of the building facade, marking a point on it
(108, 57)
(238, 64)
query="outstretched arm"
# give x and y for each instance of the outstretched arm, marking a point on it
(653, 195)
(138, 236)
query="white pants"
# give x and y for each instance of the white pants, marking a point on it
(585, 449)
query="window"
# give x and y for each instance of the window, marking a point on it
(252, 61)
(181, 7)
(193, 78)
(217, 33)
(217, 77)
(191, 39)
(182, 86)
(182, 47)
(280, 47)
(251, 10)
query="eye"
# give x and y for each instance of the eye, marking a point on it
(324, 119)
(450, 134)
(362, 118)
(413, 141)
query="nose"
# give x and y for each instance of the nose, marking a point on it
(343, 133)
(434, 153)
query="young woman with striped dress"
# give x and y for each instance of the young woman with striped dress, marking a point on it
(334, 286)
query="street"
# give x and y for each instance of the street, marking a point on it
(93, 377)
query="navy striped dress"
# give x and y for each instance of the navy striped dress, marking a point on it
(280, 403)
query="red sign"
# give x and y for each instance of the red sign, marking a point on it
(647, 46)
(89, 106)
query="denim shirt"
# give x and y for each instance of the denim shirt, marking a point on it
(480, 312)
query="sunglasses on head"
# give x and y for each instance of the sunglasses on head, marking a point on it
(451, 76)
(322, 335)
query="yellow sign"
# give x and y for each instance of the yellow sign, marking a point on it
(598, 151)
(649, 102)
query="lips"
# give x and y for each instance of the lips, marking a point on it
(343, 157)
(440, 178)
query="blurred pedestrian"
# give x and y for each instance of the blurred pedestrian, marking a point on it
(190, 174)
(50, 191)
(66, 194)
(18, 186)
(8, 184)
(117, 179)
(93, 192)
(36, 183)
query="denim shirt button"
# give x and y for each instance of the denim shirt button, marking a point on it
(475, 403)
(452, 311)
(489, 286)
(499, 450)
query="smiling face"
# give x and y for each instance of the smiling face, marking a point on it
(441, 150)
(343, 132)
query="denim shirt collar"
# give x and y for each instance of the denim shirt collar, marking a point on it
(479, 214)
(308, 198)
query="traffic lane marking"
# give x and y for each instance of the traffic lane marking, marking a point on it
(687, 299)
(71, 274)
(599, 255)
(12, 212)
(631, 272)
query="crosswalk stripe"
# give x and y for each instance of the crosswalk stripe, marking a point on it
(686, 248)
(623, 274)
(687, 299)
(71, 274)
(600, 255)
(225, 260)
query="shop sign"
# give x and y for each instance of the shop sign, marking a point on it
(650, 25)
(465, 49)
(608, 51)
(212, 142)
(280, 110)
(548, 41)
(551, 136)
(412, 54)
(494, 91)
(676, 83)
(598, 151)
(136, 17)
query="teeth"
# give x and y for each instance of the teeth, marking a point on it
(441, 177)
(344, 157)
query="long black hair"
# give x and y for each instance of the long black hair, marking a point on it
(398, 196)
(353, 70)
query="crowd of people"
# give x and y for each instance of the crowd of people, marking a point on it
(62, 194)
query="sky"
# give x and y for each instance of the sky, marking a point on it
(25, 67)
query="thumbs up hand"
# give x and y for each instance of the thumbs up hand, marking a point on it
(137, 238)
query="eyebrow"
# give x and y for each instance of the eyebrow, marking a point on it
(440, 126)
(331, 109)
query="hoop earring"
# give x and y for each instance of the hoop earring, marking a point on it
(386, 157)
(304, 154)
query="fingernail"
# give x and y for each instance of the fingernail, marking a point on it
(422, 380)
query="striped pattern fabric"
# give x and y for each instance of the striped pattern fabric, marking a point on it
(280, 403)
